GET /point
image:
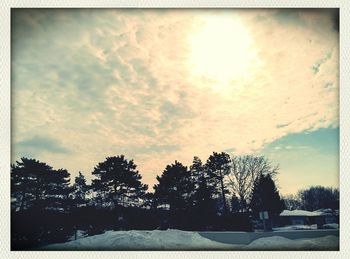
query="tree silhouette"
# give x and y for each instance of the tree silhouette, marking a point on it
(40, 203)
(319, 197)
(42, 196)
(204, 188)
(218, 166)
(174, 188)
(34, 183)
(148, 201)
(265, 197)
(235, 204)
(80, 190)
(244, 171)
(118, 181)
(292, 202)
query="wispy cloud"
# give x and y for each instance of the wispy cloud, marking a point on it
(38, 144)
(106, 82)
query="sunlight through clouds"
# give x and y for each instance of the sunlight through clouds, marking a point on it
(159, 85)
(222, 50)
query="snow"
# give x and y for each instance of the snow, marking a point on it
(172, 239)
(301, 213)
(282, 243)
(296, 227)
(80, 234)
(331, 226)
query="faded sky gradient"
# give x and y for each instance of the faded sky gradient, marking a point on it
(159, 85)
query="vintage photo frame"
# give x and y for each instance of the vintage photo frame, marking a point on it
(5, 124)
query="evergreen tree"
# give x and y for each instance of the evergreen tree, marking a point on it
(235, 204)
(148, 201)
(57, 190)
(218, 166)
(204, 189)
(197, 170)
(265, 197)
(174, 188)
(244, 172)
(80, 190)
(34, 183)
(118, 181)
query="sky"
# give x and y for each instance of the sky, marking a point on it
(160, 85)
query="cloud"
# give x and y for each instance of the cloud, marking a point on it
(118, 81)
(288, 17)
(155, 149)
(38, 144)
(316, 66)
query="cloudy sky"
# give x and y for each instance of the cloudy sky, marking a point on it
(160, 85)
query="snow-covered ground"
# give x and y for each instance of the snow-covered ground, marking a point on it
(138, 240)
(80, 234)
(331, 226)
(296, 227)
(306, 227)
(303, 213)
(282, 243)
(185, 240)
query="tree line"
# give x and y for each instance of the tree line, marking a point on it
(313, 198)
(224, 193)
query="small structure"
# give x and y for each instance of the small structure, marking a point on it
(304, 217)
(264, 216)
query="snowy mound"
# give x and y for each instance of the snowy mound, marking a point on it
(301, 213)
(142, 240)
(282, 243)
(296, 227)
(331, 226)
(186, 240)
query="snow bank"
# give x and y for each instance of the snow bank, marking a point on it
(282, 243)
(142, 240)
(80, 234)
(296, 227)
(301, 213)
(185, 240)
(331, 226)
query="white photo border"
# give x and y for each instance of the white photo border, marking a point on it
(5, 123)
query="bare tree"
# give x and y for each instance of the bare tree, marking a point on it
(245, 170)
(292, 202)
(319, 197)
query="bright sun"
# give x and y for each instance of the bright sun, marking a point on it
(221, 50)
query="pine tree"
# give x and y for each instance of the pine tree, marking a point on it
(118, 181)
(58, 190)
(34, 183)
(175, 188)
(265, 197)
(80, 190)
(218, 166)
(204, 189)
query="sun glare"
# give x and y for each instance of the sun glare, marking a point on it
(221, 49)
